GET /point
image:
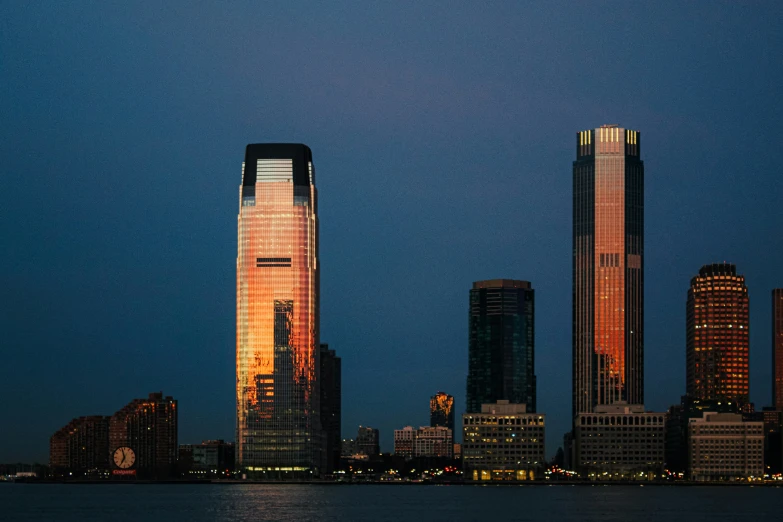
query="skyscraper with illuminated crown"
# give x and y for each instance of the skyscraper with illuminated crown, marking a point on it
(277, 346)
(608, 269)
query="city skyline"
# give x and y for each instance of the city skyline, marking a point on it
(445, 138)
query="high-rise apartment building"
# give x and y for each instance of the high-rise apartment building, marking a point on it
(608, 263)
(405, 441)
(81, 447)
(331, 406)
(368, 441)
(777, 349)
(501, 347)
(277, 352)
(442, 410)
(717, 335)
(149, 427)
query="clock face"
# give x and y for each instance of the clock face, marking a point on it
(124, 457)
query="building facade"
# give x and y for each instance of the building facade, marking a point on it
(368, 441)
(677, 422)
(404, 442)
(427, 441)
(718, 335)
(331, 406)
(723, 447)
(777, 349)
(773, 440)
(211, 458)
(277, 352)
(442, 410)
(434, 441)
(347, 448)
(608, 269)
(501, 349)
(503, 442)
(81, 447)
(620, 442)
(149, 427)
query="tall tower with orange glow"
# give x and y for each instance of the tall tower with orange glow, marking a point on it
(777, 349)
(718, 335)
(608, 269)
(277, 351)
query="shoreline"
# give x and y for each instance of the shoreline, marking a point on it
(389, 483)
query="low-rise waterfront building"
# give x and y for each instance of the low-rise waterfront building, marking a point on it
(503, 443)
(723, 447)
(211, 458)
(619, 442)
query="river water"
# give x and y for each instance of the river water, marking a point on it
(210, 502)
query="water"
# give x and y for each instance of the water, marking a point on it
(195, 503)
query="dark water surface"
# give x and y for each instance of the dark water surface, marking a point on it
(195, 503)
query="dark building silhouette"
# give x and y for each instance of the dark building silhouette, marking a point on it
(773, 440)
(717, 335)
(331, 406)
(501, 347)
(677, 427)
(279, 434)
(608, 269)
(442, 411)
(211, 458)
(81, 447)
(777, 349)
(368, 441)
(149, 427)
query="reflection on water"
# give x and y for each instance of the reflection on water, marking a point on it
(196, 503)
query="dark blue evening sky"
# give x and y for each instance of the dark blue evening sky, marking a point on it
(443, 138)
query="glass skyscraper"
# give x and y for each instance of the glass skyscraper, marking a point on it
(718, 335)
(608, 263)
(501, 345)
(277, 354)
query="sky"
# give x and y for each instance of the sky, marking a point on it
(443, 139)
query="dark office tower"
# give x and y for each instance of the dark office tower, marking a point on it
(442, 411)
(501, 346)
(608, 261)
(368, 441)
(278, 409)
(81, 447)
(717, 335)
(149, 428)
(777, 349)
(331, 406)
